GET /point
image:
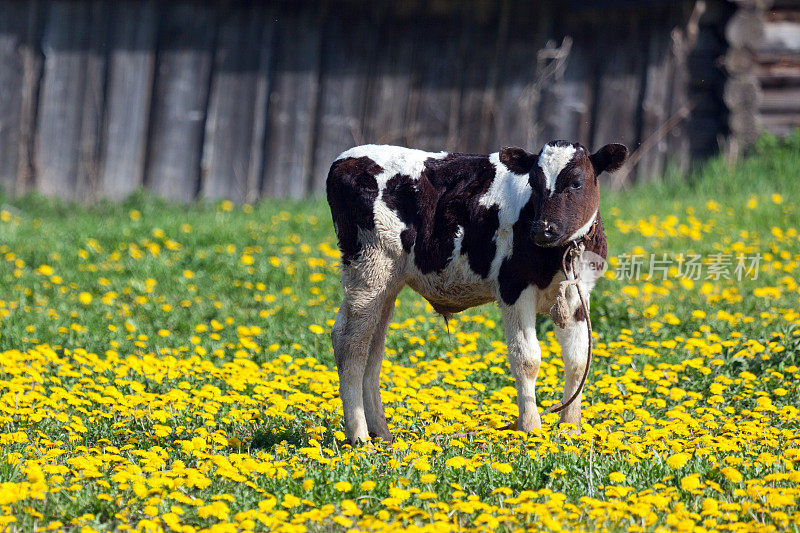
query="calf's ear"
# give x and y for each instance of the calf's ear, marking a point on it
(609, 158)
(517, 160)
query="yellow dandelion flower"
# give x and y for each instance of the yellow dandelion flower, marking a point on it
(503, 468)
(343, 486)
(617, 477)
(678, 460)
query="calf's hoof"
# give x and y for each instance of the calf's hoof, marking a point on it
(569, 428)
(511, 427)
(381, 435)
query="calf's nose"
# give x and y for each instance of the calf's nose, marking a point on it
(544, 232)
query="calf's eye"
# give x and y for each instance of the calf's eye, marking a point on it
(577, 184)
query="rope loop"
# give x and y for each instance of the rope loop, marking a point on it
(571, 268)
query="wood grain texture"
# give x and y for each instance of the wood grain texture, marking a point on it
(389, 84)
(655, 104)
(293, 103)
(619, 85)
(57, 151)
(93, 105)
(247, 99)
(12, 73)
(232, 125)
(33, 70)
(343, 90)
(436, 88)
(131, 62)
(180, 99)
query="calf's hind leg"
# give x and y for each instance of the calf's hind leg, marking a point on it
(373, 406)
(367, 287)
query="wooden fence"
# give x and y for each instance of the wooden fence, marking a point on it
(243, 99)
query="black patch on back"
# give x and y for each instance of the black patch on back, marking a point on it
(401, 197)
(352, 189)
(479, 243)
(444, 197)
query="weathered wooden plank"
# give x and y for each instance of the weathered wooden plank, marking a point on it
(779, 77)
(578, 94)
(783, 100)
(59, 126)
(562, 102)
(480, 62)
(93, 105)
(258, 145)
(232, 125)
(389, 83)
(12, 72)
(655, 104)
(128, 95)
(33, 70)
(781, 123)
(186, 38)
(518, 93)
(293, 102)
(435, 93)
(619, 85)
(678, 144)
(781, 36)
(349, 41)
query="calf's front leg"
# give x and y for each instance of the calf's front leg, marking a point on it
(574, 341)
(524, 357)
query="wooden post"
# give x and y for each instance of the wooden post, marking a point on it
(436, 76)
(655, 102)
(93, 104)
(32, 72)
(389, 86)
(619, 91)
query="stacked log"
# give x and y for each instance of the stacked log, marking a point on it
(778, 68)
(742, 93)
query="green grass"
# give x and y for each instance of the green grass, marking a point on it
(119, 320)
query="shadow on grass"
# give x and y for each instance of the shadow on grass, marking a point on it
(769, 359)
(267, 439)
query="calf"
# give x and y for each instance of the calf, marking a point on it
(462, 230)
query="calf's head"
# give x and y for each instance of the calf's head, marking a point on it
(566, 193)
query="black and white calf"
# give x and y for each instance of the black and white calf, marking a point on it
(461, 230)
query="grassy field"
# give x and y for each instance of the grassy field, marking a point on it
(169, 367)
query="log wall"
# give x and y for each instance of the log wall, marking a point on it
(244, 99)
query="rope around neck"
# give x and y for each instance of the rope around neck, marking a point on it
(560, 311)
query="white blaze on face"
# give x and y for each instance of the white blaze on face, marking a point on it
(552, 161)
